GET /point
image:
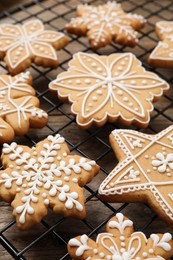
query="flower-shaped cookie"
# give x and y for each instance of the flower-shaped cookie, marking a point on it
(44, 176)
(162, 55)
(18, 107)
(120, 242)
(20, 45)
(145, 171)
(106, 23)
(109, 88)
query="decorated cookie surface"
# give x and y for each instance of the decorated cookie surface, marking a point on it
(106, 23)
(144, 172)
(18, 107)
(44, 176)
(120, 242)
(20, 45)
(109, 88)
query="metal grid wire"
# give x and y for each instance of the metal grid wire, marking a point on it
(49, 239)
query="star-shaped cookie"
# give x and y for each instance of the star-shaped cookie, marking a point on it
(20, 45)
(106, 23)
(144, 172)
(162, 55)
(44, 176)
(19, 108)
(121, 242)
(109, 88)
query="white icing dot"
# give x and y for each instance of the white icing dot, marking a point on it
(144, 82)
(104, 86)
(122, 81)
(69, 81)
(122, 238)
(97, 80)
(144, 254)
(120, 68)
(148, 170)
(66, 178)
(64, 154)
(11, 166)
(94, 98)
(151, 251)
(163, 148)
(78, 81)
(168, 174)
(90, 104)
(99, 92)
(88, 81)
(146, 156)
(95, 251)
(99, 69)
(89, 60)
(123, 63)
(44, 195)
(136, 108)
(46, 202)
(36, 46)
(18, 189)
(102, 254)
(75, 180)
(130, 104)
(125, 99)
(93, 64)
(24, 185)
(123, 244)
(59, 158)
(122, 250)
(133, 82)
(34, 153)
(119, 92)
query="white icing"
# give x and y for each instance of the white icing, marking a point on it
(8, 104)
(107, 19)
(22, 43)
(116, 93)
(115, 182)
(134, 245)
(43, 174)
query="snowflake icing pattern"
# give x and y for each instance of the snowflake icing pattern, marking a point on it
(30, 42)
(106, 23)
(109, 88)
(45, 175)
(162, 55)
(18, 107)
(121, 243)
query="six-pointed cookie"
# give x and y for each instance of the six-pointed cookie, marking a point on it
(19, 108)
(162, 55)
(44, 176)
(106, 23)
(109, 88)
(20, 45)
(120, 242)
(144, 172)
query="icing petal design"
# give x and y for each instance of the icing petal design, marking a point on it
(20, 45)
(104, 87)
(18, 107)
(120, 242)
(106, 23)
(162, 55)
(144, 172)
(46, 175)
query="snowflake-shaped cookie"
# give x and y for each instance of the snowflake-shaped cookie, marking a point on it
(105, 24)
(109, 88)
(43, 176)
(162, 55)
(144, 172)
(18, 107)
(20, 45)
(120, 242)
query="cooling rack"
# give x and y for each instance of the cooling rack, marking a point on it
(49, 239)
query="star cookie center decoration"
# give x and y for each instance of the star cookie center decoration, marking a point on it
(162, 55)
(114, 87)
(145, 170)
(43, 176)
(18, 107)
(30, 42)
(120, 242)
(106, 23)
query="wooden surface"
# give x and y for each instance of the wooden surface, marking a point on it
(49, 247)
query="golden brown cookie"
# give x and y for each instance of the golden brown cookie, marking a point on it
(120, 242)
(44, 176)
(162, 55)
(19, 108)
(109, 88)
(20, 45)
(144, 172)
(106, 23)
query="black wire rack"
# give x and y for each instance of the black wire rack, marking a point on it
(49, 239)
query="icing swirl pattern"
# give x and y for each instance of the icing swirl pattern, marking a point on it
(120, 242)
(144, 172)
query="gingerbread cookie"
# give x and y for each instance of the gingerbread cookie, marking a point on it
(18, 107)
(109, 88)
(120, 242)
(145, 171)
(20, 45)
(106, 23)
(162, 55)
(44, 176)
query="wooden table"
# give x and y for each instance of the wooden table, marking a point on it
(93, 143)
